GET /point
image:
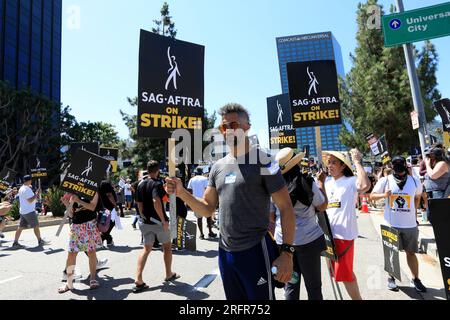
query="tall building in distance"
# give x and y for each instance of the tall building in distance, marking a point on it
(30, 45)
(310, 47)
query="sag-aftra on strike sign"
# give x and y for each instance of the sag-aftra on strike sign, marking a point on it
(85, 174)
(171, 86)
(314, 94)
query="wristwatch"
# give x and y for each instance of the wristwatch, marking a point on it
(287, 248)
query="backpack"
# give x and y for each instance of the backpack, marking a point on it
(299, 187)
(103, 220)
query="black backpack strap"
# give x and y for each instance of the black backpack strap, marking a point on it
(346, 250)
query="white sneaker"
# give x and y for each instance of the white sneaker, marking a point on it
(101, 263)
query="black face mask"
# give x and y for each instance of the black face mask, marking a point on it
(400, 180)
(400, 168)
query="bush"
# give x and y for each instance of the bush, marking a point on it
(53, 201)
(14, 212)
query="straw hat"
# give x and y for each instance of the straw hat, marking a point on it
(287, 159)
(340, 155)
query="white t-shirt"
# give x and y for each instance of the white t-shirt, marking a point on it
(198, 185)
(399, 209)
(26, 193)
(127, 190)
(416, 172)
(342, 195)
(307, 228)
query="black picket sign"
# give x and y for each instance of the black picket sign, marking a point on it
(7, 177)
(38, 167)
(171, 86)
(86, 146)
(85, 174)
(443, 108)
(324, 223)
(280, 122)
(314, 94)
(110, 154)
(439, 212)
(186, 235)
(390, 239)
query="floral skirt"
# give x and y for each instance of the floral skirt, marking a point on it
(84, 237)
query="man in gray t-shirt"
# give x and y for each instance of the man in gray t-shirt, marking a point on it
(244, 200)
(242, 184)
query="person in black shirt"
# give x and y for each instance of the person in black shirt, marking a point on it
(153, 222)
(84, 237)
(109, 199)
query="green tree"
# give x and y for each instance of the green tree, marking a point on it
(165, 26)
(28, 127)
(376, 95)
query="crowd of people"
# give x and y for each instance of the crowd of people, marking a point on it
(268, 211)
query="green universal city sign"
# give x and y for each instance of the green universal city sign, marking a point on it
(417, 25)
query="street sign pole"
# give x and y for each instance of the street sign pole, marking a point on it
(415, 87)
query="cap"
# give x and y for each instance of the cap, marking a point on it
(399, 159)
(26, 178)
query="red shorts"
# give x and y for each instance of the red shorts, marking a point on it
(343, 268)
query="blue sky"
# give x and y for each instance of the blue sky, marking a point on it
(100, 50)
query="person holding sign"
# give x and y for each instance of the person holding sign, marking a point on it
(437, 177)
(28, 215)
(5, 207)
(402, 194)
(84, 236)
(307, 197)
(242, 184)
(342, 188)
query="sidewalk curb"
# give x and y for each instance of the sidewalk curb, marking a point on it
(429, 264)
(47, 223)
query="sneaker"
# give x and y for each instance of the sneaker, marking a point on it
(134, 226)
(392, 285)
(212, 235)
(202, 237)
(43, 242)
(75, 276)
(417, 284)
(101, 263)
(17, 245)
(110, 244)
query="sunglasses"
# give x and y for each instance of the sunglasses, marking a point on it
(229, 126)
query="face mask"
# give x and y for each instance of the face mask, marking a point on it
(399, 168)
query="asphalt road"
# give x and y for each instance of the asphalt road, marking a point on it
(35, 273)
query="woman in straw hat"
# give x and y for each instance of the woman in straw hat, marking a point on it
(342, 188)
(309, 239)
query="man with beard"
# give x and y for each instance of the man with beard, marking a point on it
(402, 193)
(242, 184)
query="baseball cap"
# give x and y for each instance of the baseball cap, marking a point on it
(26, 178)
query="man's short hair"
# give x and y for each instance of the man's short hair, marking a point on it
(235, 108)
(152, 166)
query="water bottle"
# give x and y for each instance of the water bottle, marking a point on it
(294, 278)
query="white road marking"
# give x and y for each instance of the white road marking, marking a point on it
(206, 280)
(10, 279)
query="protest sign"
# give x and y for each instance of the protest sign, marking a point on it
(390, 239)
(171, 86)
(85, 174)
(282, 133)
(314, 94)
